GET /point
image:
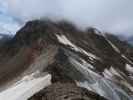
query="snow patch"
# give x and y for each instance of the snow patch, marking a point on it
(84, 70)
(127, 59)
(129, 68)
(114, 72)
(63, 39)
(26, 89)
(87, 64)
(109, 73)
(28, 77)
(114, 47)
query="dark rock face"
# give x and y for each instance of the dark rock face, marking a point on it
(130, 40)
(124, 47)
(96, 61)
(66, 91)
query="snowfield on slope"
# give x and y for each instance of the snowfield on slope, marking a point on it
(26, 89)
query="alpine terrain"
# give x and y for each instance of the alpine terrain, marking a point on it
(49, 60)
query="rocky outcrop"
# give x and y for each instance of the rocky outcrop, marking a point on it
(66, 91)
(76, 59)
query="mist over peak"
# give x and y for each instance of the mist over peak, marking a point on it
(113, 16)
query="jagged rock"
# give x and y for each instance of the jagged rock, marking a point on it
(66, 91)
(88, 58)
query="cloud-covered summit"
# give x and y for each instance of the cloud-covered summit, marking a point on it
(109, 15)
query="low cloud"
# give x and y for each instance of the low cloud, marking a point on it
(108, 15)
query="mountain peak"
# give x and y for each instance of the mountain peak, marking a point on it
(87, 59)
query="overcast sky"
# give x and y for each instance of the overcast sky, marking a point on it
(114, 16)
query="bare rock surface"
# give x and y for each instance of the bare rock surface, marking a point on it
(65, 91)
(76, 59)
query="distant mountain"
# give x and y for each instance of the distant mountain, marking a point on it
(5, 38)
(84, 65)
(130, 40)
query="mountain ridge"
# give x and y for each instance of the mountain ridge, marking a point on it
(94, 60)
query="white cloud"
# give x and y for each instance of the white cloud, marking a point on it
(110, 15)
(30, 9)
(7, 23)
